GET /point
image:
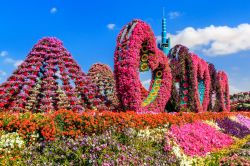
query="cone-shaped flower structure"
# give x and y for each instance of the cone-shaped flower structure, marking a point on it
(48, 79)
(103, 77)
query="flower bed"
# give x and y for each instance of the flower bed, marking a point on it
(197, 139)
(68, 123)
(243, 120)
(99, 138)
(233, 128)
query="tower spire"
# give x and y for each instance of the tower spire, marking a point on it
(165, 42)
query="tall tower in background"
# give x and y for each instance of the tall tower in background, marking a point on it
(165, 42)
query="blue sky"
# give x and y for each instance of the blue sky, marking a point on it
(219, 31)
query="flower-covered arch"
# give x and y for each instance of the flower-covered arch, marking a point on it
(136, 52)
(213, 87)
(49, 79)
(200, 83)
(102, 76)
(191, 74)
(181, 64)
(223, 92)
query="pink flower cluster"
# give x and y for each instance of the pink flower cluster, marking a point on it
(127, 63)
(223, 91)
(197, 139)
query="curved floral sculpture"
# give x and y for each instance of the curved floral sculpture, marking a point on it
(136, 51)
(47, 80)
(200, 83)
(223, 92)
(213, 86)
(102, 76)
(181, 63)
(192, 76)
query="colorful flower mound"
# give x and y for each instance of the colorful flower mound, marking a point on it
(233, 128)
(244, 120)
(223, 92)
(200, 74)
(198, 139)
(136, 50)
(102, 76)
(49, 79)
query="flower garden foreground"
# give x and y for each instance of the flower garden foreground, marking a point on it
(51, 113)
(108, 138)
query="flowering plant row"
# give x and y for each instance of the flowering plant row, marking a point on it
(68, 123)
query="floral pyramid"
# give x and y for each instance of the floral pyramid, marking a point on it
(102, 76)
(48, 79)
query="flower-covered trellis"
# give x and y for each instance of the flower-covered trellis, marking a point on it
(192, 76)
(200, 83)
(223, 92)
(136, 51)
(102, 76)
(181, 63)
(213, 87)
(48, 79)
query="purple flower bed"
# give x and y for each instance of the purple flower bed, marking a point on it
(243, 120)
(233, 128)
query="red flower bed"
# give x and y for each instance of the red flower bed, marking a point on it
(72, 124)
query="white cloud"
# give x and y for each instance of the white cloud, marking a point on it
(215, 40)
(14, 62)
(173, 15)
(111, 26)
(3, 53)
(53, 10)
(158, 38)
